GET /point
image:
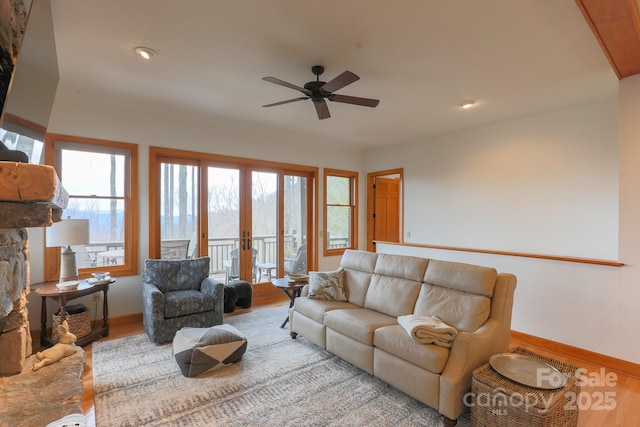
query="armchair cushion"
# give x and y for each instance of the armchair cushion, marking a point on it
(183, 303)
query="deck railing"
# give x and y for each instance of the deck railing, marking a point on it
(219, 250)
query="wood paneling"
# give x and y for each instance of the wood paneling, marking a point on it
(616, 26)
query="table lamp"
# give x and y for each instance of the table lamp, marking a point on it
(68, 232)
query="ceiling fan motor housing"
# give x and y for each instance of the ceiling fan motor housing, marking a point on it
(316, 94)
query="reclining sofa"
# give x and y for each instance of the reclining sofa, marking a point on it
(379, 288)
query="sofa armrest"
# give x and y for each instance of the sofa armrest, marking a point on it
(305, 291)
(469, 351)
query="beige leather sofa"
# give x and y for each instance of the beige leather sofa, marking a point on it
(364, 331)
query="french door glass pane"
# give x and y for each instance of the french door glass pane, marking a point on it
(223, 208)
(264, 214)
(295, 224)
(179, 211)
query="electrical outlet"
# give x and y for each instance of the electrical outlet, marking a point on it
(408, 234)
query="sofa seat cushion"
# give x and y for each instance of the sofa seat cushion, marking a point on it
(395, 340)
(183, 303)
(357, 323)
(315, 309)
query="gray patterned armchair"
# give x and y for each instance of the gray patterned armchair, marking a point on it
(178, 293)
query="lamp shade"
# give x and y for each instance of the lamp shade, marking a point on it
(68, 232)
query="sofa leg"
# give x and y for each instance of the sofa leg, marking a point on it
(293, 334)
(448, 422)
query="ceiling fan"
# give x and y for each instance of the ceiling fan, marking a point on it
(318, 91)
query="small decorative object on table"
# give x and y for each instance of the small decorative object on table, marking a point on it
(497, 399)
(100, 278)
(68, 285)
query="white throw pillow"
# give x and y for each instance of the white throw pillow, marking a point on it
(327, 285)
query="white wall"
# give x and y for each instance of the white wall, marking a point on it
(87, 118)
(539, 184)
(545, 184)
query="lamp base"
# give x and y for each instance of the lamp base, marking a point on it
(68, 266)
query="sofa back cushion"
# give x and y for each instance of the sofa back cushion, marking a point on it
(358, 269)
(176, 275)
(463, 277)
(395, 284)
(459, 294)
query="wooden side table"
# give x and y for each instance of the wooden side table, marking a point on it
(291, 289)
(50, 290)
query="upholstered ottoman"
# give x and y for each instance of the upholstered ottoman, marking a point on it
(230, 298)
(198, 350)
(244, 291)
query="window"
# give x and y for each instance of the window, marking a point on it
(101, 179)
(23, 135)
(340, 211)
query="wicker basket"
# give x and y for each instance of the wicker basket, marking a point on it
(79, 324)
(498, 401)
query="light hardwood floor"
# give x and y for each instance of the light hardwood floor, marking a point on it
(625, 394)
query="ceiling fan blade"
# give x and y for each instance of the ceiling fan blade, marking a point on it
(339, 82)
(286, 102)
(322, 109)
(285, 84)
(366, 102)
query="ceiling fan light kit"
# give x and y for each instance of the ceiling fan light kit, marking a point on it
(318, 91)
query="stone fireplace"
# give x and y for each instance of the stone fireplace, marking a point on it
(30, 196)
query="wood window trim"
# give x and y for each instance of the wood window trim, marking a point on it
(354, 211)
(130, 267)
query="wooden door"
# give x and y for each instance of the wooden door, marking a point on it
(386, 210)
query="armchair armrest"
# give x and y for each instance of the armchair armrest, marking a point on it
(212, 287)
(151, 295)
(152, 303)
(469, 351)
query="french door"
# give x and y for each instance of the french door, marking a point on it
(252, 218)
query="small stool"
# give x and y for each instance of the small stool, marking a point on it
(244, 292)
(198, 350)
(230, 298)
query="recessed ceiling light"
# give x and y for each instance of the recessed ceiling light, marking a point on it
(467, 104)
(144, 52)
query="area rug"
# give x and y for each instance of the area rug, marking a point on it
(278, 382)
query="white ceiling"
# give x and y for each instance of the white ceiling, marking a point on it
(419, 57)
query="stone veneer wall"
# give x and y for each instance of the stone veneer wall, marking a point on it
(15, 338)
(30, 196)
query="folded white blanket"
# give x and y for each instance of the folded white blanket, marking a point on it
(428, 330)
